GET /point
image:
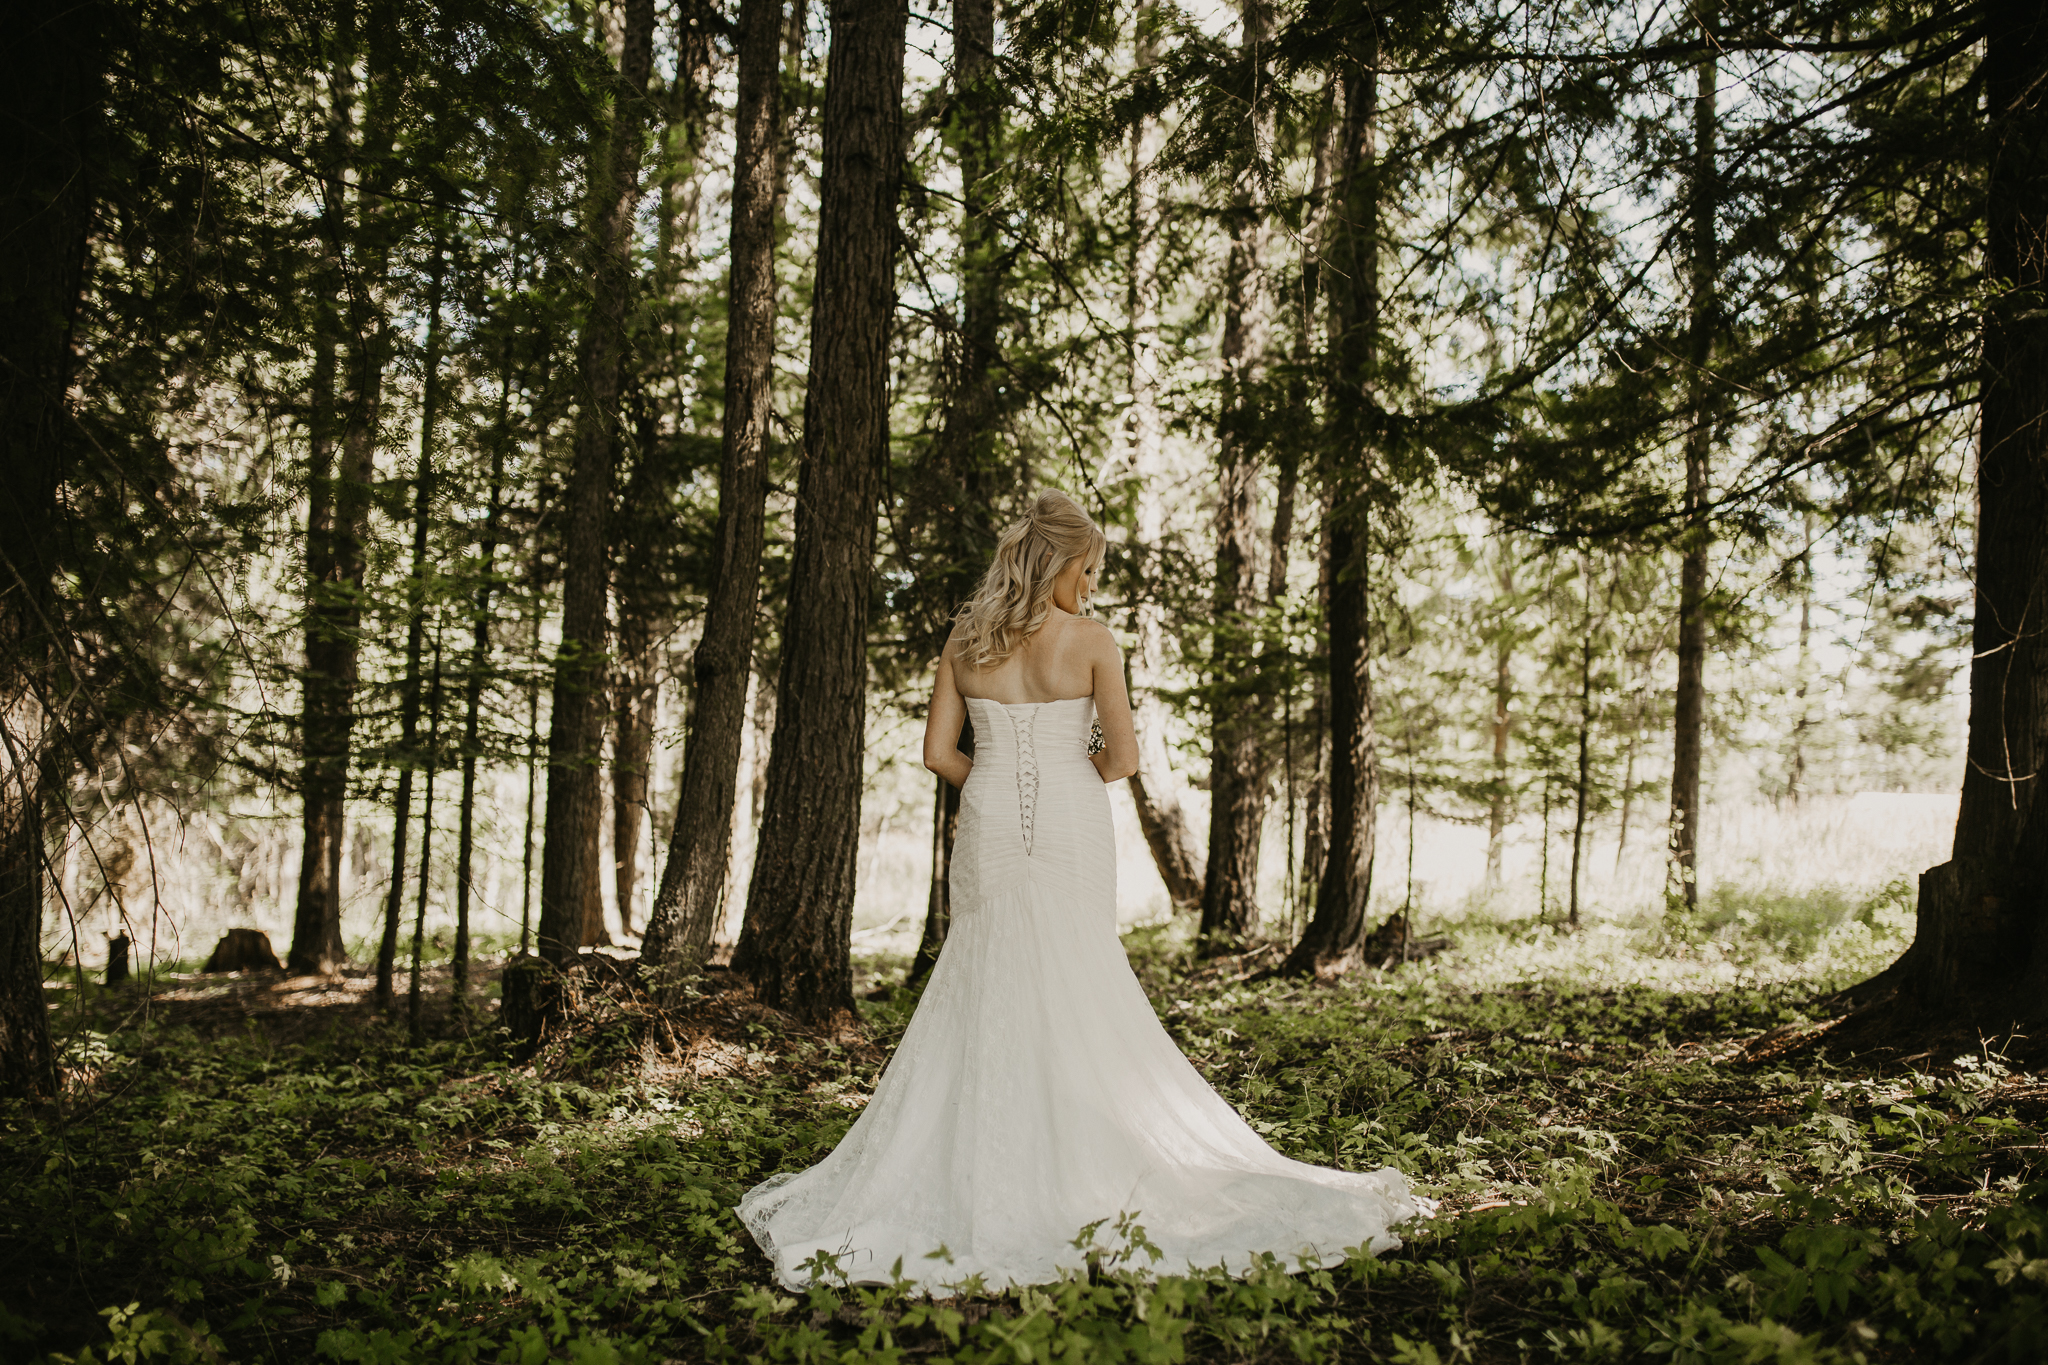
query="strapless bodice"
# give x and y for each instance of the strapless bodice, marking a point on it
(1034, 803)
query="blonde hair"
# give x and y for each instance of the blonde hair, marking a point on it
(1015, 595)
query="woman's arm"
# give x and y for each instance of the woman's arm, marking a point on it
(942, 725)
(1119, 756)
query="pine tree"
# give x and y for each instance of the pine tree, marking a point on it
(52, 86)
(693, 881)
(1982, 952)
(795, 942)
(570, 864)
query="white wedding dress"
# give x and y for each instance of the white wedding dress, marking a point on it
(1035, 1091)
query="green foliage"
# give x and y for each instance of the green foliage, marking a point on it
(1617, 1183)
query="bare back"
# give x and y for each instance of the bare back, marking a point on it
(1052, 664)
(1069, 657)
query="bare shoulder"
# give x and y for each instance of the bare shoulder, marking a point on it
(1096, 638)
(949, 657)
(954, 637)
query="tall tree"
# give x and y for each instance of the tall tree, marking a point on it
(643, 585)
(1504, 638)
(1155, 787)
(1690, 703)
(416, 625)
(692, 893)
(1239, 775)
(795, 942)
(1337, 930)
(357, 223)
(951, 518)
(570, 859)
(1982, 948)
(1581, 789)
(476, 672)
(50, 91)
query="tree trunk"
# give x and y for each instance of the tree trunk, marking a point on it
(532, 767)
(415, 629)
(1795, 775)
(1628, 789)
(1239, 774)
(338, 514)
(570, 860)
(316, 927)
(473, 680)
(635, 689)
(950, 523)
(1315, 831)
(642, 597)
(1337, 930)
(414, 1023)
(51, 96)
(1155, 787)
(644, 594)
(795, 943)
(1503, 727)
(1690, 703)
(1580, 791)
(688, 904)
(1982, 948)
(332, 657)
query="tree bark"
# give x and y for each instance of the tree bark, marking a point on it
(570, 860)
(950, 520)
(316, 927)
(691, 897)
(1795, 774)
(1315, 825)
(644, 593)
(1503, 726)
(1582, 789)
(333, 658)
(1155, 788)
(474, 678)
(1239, 774)
(51, 98)
(635, 689)
(338, 511)
(414, 1022)
(415, 630)
(1982, 947)
(643, 599)
(1690, 703)
(795, 943)
(1337, 930)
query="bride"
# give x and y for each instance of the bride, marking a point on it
(1035, 1102)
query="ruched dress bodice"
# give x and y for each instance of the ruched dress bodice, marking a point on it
(1035, 1092)
(1034, 807)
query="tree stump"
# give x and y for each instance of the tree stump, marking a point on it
(243, 950)
(117, 960)
(533, 995)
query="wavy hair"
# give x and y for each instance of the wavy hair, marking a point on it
(1015, 595)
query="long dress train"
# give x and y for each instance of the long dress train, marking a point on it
(1035, 1092)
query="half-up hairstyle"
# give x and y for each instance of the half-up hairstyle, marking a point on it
(1015, 595)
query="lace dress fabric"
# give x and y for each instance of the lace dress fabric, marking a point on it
(1035, 1091)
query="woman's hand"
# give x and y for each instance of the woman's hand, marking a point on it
(1119, 756)
(944, 720)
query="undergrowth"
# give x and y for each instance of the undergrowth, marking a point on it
(1618, 1182)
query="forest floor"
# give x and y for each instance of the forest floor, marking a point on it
(1643, 1146)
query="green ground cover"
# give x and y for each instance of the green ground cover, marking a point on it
(1626, 1170)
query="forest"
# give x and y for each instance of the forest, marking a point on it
(484, 484)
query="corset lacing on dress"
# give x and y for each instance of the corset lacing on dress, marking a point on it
(1027, 771)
